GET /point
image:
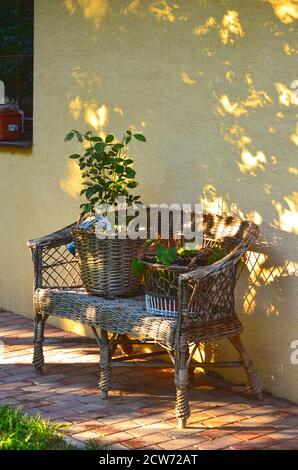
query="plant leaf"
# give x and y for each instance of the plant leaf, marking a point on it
(109, 138)
(79, 135)
(132, 184)
(99, 147)
(130, 172)
(137, 266)
(74, 155)
(69, 136)
(89, 192)
(140, 137)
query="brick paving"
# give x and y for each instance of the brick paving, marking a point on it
(140, 412)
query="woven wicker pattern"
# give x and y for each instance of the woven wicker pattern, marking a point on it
(161, 284)
(60, 268)
(123, 316)
(212, 330)
(105, 265)
(205, 305)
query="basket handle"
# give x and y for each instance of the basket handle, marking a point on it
(80, 218)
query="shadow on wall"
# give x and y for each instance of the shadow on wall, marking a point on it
(221, 80)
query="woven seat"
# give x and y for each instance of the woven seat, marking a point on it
(120, 315)
(205, 300)
(127, 316)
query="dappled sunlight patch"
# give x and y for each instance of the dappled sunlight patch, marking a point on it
(86, 81)
(271, 309)
(221, 204)
(293, 171)
(75, 107)
(294, 136)
(280, 115)
(206, 27)
(227, 106)
(285, 95)
(228, 29)
(251, 163)
(200, 354)
(72, 183)
(236, 136)
(255, 100)
(260, 274)
(261, 271)
(164, 11)
(230, 75)
(187, 79)
(96, 117)
(93, 10)
(211, 201)
(254, 217)
(249, 304)
(118, 110)
(254, 263)
(290, 50)
(70, 6)
(287, 216)
(285, 10)
(132, 8)
(231, 28)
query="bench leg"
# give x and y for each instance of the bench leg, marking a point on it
(181, 382)
(105, 383)
(254, 382)
(38, 357)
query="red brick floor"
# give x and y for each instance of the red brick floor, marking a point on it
(140, 411)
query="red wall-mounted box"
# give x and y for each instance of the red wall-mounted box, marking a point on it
(11, 125)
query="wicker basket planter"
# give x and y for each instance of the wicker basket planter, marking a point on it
(105, 264)
(161, 282)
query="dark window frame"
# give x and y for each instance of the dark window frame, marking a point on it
(23, 56)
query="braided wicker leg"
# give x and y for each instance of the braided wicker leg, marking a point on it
(38, 357)
(181, 382)
(254, 382)
(105, 383)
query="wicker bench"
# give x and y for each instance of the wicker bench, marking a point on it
(206, 315)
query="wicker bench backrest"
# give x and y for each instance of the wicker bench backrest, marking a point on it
(55, 266)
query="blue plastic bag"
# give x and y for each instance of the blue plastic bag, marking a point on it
(87, 224)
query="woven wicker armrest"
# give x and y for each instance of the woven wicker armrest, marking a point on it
(60, 237)
(211, 288)
(220, 266)
(54, 265)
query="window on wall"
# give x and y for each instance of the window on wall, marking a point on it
(16, 72)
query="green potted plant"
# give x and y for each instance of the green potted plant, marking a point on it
(107, 174)
(159, 264)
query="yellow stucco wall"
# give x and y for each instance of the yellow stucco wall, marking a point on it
(209, 84)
